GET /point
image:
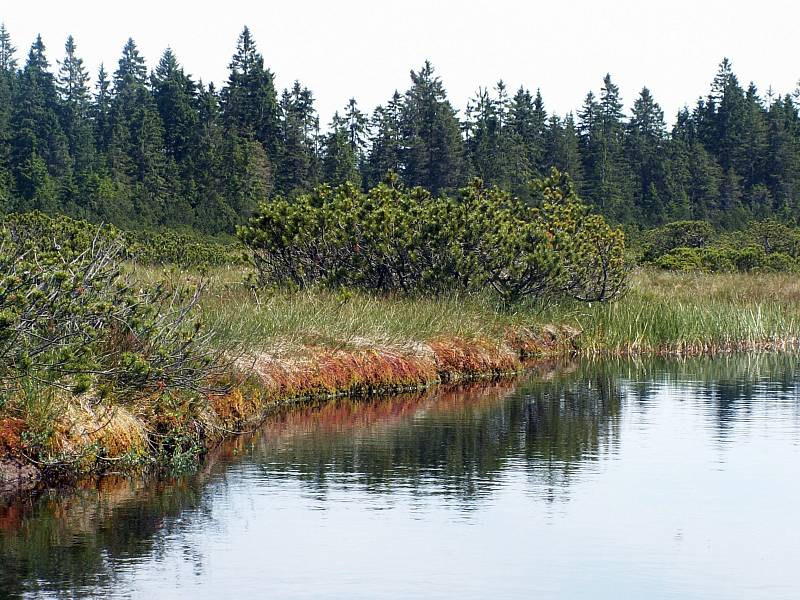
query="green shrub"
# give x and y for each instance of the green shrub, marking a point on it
(396, 239)
(181, 249)
(686, 260)
(148, 248)
(773, 236)
(749, 258)
(70, 323)
(680, 234)
(779, 262)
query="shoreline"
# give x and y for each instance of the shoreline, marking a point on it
(261, 384)
(99, 439)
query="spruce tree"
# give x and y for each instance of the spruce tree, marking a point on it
(646, 158)
(562, 149)
(136, 152)
(339, 159)
(357, 125)
(250, 101)
(8, 68)
(486, 139)
(385, 148)
(39, 160)
(76, 122)
(213, 210)
(432, 147)
(298, 164)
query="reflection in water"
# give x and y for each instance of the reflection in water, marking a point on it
(464, 452)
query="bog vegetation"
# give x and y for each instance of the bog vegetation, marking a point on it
(335, 256)
(395, 239)
(76, 334)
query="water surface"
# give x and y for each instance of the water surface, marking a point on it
(601, 480)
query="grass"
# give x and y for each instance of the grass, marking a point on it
(661, 313)
(286, 346)
(277, 321)
(677, 313)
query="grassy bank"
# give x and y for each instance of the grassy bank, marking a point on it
(283, 346)
(661, 313)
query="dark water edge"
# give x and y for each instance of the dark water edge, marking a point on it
(660, 479)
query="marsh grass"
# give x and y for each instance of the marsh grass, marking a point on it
(252, 319)
(285, 346)
(661, 312)
(678, 313)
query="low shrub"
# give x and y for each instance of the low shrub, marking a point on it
(394, 239)
(686, 260)
(181, 249)
(167, 247)
(680, 234)
(779, 262)
(72, 325)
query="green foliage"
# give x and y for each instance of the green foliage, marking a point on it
(397, 239)
(165, 247)
(181, 249)
(166, 151)
(680, 234)
(724, 259)
(687, 246)
(70, 323)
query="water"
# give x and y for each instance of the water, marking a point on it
(607, 480)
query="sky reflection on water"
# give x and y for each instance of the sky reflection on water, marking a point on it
(603, 480)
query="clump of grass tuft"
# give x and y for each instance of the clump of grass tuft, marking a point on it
(673, 313)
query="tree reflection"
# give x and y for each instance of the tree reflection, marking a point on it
(459, 445)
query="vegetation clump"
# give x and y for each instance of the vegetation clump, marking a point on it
(394, 239)
(77, 339)
(688, 246)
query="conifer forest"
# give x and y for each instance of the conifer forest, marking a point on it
(146, 147)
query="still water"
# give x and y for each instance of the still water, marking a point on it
(597, 480)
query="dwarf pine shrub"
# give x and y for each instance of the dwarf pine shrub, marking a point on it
(396, 239)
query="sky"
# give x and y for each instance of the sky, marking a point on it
(366, 48)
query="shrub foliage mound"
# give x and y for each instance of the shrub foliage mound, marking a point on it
(405, 240)
(72, 327)
(165, 247)
(694, 246)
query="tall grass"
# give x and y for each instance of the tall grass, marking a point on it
(274, 320)
(662, 312)
(690, 314)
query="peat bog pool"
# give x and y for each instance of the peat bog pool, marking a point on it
(659, 479)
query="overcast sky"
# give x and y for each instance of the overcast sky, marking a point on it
(365, 48)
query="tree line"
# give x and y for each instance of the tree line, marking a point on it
(155, 149)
